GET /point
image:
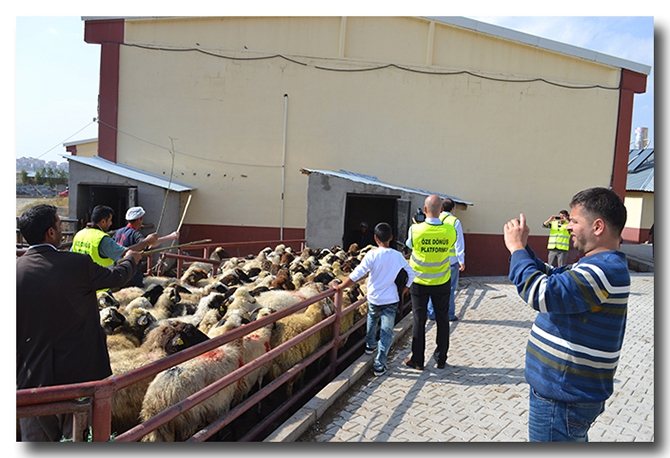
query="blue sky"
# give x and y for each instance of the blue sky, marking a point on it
(57, 73)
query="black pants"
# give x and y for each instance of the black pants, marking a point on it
(49, 428)
(439, 295)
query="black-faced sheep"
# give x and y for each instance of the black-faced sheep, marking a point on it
(177, 383)
(127, 329)
(166, 339)
(106, 299)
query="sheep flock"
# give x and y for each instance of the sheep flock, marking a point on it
(170, 314)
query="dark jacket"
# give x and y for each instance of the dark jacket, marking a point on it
(58, 335)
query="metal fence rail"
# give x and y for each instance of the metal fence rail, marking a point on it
(68, 398)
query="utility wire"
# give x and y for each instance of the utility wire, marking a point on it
(61, 143)
(380, 67)
(184, 153)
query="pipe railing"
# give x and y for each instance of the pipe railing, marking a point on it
(100, 392)
(238, 249)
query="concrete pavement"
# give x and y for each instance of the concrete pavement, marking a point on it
(481, 396)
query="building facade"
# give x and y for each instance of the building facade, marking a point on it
(237, 107)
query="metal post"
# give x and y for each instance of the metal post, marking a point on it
(336, 334)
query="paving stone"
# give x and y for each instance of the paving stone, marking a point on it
(482, 395)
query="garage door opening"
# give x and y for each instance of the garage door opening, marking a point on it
(372, 209)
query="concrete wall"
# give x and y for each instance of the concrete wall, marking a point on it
(326, 201)
(87, 149)
(640, 211)
(150, 197)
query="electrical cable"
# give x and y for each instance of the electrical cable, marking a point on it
(61, 143)
(381, 67)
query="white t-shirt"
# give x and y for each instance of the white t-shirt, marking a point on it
(383, 264)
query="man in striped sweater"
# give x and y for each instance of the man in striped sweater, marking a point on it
(574, 345)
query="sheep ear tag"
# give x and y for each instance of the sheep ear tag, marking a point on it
(179, 341)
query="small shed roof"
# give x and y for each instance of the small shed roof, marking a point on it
(640, 170)
(130, 172)
(369, 179)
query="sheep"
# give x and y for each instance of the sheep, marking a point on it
(105, 299)
(166, 339)
(170, 305)
(128, 329)
(255, 344)
(175, 384)
(111, 318)
(291, 326)
(125, 295)
(283, 280)
(199, 270)
(279, 299)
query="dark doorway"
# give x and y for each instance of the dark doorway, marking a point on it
(372, 209)
(119, 198)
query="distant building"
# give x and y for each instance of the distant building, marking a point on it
(639, 199)
(82, 148)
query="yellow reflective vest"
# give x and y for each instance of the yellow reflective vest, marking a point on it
(87, 242)
(559, 237)
(450, 219)
(431, 248)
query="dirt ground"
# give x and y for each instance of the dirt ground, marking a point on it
(24, 202)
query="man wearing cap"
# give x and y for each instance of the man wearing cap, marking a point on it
(130, 236)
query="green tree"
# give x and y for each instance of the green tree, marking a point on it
(23, 176)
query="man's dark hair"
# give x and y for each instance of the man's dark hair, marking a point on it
(447, 205)
(383, 232)
(36, 221)
(101, 212)
(603, 203)
(564, 212)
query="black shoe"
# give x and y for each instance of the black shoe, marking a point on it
(409, 363)
(381, 371)
(453, 319)
(369, 351)
(439, 365)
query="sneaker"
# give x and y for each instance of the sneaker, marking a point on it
(453, 319)
(369, 351)
(381, 371)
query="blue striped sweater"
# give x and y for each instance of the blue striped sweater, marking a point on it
(574, 345)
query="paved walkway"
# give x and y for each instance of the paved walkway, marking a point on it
(481, 396)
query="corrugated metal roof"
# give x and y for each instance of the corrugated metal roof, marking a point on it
(640, 170)
(369, 179)
(130, 172)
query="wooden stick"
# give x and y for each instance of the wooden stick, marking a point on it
(157, 250)
(184, 214)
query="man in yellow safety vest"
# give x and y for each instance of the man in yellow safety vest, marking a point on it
(559, 238)
(431, 242)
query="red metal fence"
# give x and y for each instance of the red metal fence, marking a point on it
(76, 397)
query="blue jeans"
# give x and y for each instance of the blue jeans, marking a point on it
(385, 314)
(452, 298)
(558, 421)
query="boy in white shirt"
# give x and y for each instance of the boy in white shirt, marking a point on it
(383, 264)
